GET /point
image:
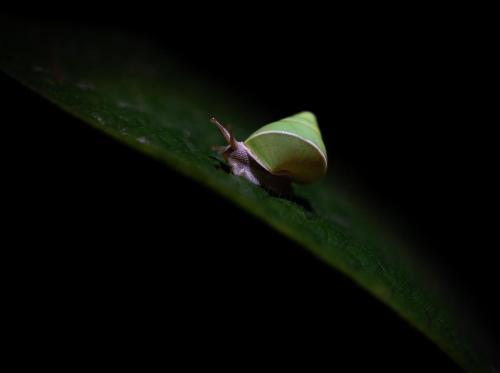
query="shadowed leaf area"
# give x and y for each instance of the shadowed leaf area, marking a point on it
(143, 99)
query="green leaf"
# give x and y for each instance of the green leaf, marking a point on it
(135, 93)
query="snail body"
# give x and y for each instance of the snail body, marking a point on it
(279, 153)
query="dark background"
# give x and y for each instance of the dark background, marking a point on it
(402, 103)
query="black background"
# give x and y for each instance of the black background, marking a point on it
(402, 101)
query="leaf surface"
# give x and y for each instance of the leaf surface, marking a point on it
(137, 94)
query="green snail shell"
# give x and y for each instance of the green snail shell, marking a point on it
(291, 147)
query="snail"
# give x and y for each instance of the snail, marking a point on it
(277, 154)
